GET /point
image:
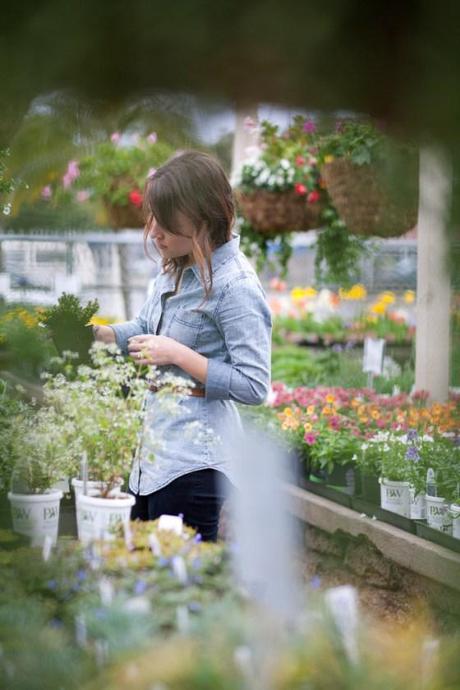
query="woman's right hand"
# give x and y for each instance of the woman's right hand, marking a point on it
(104, 334)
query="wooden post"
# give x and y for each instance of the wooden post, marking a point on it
(433, 278)
(244, 137)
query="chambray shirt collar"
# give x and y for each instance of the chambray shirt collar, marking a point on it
(221, 254)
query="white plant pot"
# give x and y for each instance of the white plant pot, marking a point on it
(97, 516)
(417, 505)
(395, 496)
(437, 514)
(36, 515)
(61, 485)
(455, 512)
(95, 487)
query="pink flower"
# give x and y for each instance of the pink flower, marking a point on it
(151, 172)
(310, 438)
(115, 137)
(82, 196)
(152, 138)
(299, 160)
(313, 197)
(309, 126)
(47, 192)
(249, 123)
(73, 170)
(300, 188)
(67, 181)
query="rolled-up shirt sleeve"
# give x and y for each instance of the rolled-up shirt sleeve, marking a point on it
(126, 330)
(244, 320)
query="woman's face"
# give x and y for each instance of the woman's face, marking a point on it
(170, 245)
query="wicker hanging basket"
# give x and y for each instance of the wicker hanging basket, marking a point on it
(364, 204)
(127, 216)
(275, 212)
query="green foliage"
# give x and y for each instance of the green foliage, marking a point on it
(338, 252)
(7, 184)
(260, 245)
(295, 366)
(69, 310)
(25, 349)
(111, 172)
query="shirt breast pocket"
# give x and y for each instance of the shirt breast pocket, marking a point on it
(186, 326)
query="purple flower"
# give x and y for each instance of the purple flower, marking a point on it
(412, 435)
(309, 126)
(152, 138)
(140, 587)
(412, 454)
(47, 192)
(115, 137)
(315, 582)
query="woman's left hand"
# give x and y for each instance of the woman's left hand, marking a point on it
(154, 349)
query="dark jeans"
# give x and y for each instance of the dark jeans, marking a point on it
(198, 496)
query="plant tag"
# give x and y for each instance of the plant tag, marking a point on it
(179, 569)
(174, 523)
(154, 545)
(47, 546)
(373, 356)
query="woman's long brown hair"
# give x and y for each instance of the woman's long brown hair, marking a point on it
(195, 184)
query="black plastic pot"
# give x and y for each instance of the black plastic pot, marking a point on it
(396, 520)
(333, 493)
(361, 505)
(437, 536)
(344, 476)
(370, 488)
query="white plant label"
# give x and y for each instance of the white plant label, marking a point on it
(373, 356)
(173, 523)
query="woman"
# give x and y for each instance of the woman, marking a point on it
(206, 320)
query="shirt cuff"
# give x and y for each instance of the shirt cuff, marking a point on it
(124, 331)
(218, 380)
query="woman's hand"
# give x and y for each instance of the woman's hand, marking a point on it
(154, 349)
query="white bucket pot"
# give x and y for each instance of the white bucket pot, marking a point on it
(36, 515)
(94, 487)
(417, 505)
(97, 516)
(395, 496)
(61, 485)
(455, 512)
(437, 514)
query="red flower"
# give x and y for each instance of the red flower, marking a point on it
(313, 197)
(299, 160)
(135, 198)
(300, 188)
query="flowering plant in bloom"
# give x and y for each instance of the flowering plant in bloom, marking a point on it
(327, 419)
(284, 161)
(113, 173)
(103, 406)
(24, 346)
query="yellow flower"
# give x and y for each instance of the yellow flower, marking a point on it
(311, 409)
(327, 410)
(409, 296)
(387, 297)
(375, 414)
(309, 292)
(378, 308)
(100, 321)
(308, 427)
(330, 398)
(328, 159)
(356, 292)
(287, 411)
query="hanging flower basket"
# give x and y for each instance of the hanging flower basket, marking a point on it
(279, 211)
(363, 203)
(126, 216)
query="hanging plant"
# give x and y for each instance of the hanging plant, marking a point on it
(371, 179)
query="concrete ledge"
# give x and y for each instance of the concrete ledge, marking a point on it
(407, 550)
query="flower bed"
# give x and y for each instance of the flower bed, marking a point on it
(347, 438)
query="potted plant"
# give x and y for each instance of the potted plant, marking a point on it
(442, 485)
(371, 179)
(40, 457)
(115, 174)
(68, 323)
(280, 189)
(105, 406)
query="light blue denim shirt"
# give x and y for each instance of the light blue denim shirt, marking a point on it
(233, 330)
